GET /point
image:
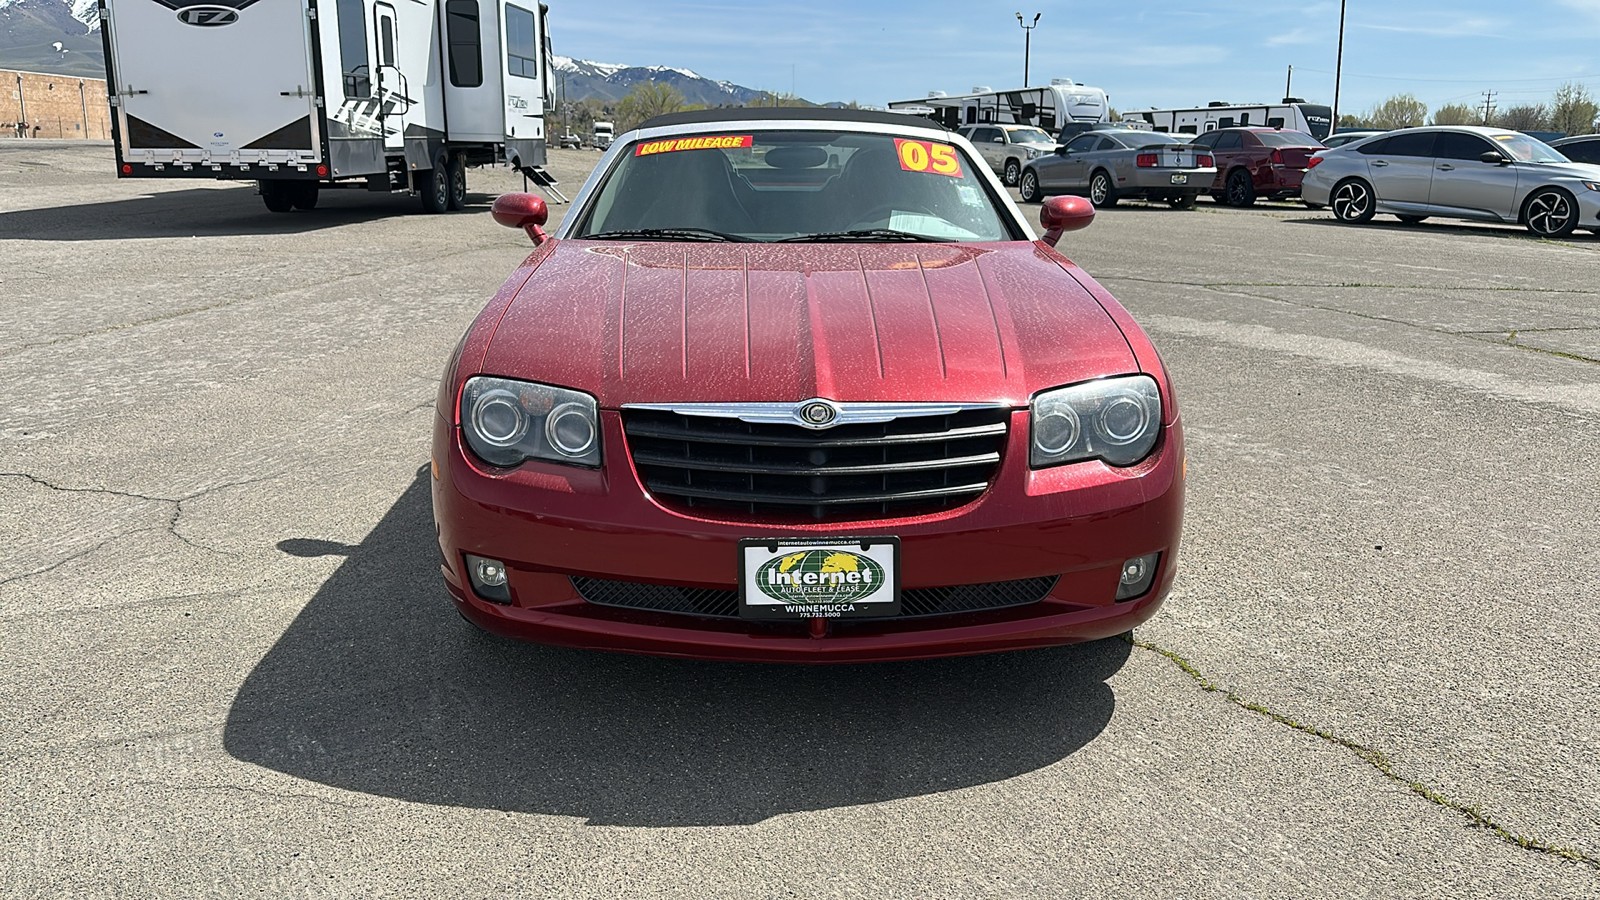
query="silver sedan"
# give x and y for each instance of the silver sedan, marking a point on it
(1456, 172)
(1110, 164)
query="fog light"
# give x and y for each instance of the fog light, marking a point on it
(488, 578)
(1137, 575)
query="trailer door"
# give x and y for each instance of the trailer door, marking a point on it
(214, 81)
(394, 89)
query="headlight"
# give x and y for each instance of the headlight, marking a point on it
(1114, 419)
(1033, 153)
(506, 422)
(1592, 185)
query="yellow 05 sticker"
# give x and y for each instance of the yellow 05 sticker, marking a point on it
(927, 156)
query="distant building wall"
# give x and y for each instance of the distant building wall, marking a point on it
(54, 106)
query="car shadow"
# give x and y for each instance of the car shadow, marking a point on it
(206, 212)
(379, 687)
(1445, 226)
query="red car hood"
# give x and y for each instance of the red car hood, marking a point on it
(682, 322)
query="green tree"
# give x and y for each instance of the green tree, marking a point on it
(1399, 111)
(1573, 110)
(1525, 117)
(647, 100)
(1456, 114)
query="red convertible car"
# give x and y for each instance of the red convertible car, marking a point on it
(799, 385)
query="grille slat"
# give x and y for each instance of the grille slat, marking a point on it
(708, 435)
(830, 500)
(658, 459)
(907, 466)
(724, 604)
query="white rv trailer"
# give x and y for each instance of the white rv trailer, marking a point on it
(304, 95)
(1062, 102)
(1293, 113)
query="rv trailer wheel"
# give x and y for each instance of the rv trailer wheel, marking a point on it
(458, 181)
(275, 195)
(303, 194)
(435, 185)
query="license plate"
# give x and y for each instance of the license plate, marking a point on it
(1180, 179)
(831, 578)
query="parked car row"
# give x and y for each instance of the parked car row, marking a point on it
(1236, 166)
(1461, 172)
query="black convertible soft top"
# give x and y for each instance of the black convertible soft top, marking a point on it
(791, 114)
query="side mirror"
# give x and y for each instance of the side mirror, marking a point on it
(1494, 158)
(1061, 150)
(525, 211)
(1059, 215)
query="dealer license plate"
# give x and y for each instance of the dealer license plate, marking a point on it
(1180, 179)
(832, 578)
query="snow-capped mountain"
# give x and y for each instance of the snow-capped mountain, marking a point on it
(85, 11)
(584, 79)
(63, 36)
(58, 36)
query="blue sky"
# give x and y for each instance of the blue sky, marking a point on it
(1149, 53)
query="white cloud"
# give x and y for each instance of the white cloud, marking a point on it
(1297, 36)
(1476, 26)
(1590, 8)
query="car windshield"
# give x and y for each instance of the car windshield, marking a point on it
(795, 186)
(1287, 139)
(1526, 149)
(1028, 136)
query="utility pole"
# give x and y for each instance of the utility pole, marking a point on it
(1338, 72)
(1488, 105)
(1027, 42)
(22, 106)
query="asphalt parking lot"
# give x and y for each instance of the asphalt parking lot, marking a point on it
(228, 667)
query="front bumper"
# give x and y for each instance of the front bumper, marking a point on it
(548, 523)
(1589, 210)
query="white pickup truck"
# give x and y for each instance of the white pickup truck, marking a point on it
(1007, 148)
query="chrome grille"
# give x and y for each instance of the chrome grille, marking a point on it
(724, 604)
(905, 466)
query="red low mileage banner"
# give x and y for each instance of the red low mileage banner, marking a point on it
(710, 142)
(927, 156)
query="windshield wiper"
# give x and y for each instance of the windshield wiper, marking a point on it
(670, 234)
(862, 234)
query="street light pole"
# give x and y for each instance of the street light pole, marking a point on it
(1027, 42)
(1338, 73)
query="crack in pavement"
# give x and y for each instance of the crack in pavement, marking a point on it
(79, 490)
(1375, 758)
(252, 589)
(171, 526)
(1351, 284)
(79, 555)
(167, 317)
(1233, 290)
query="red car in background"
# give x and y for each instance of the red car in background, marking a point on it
(1258, 162)
(800, 385)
